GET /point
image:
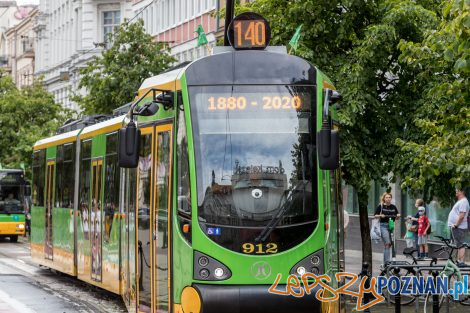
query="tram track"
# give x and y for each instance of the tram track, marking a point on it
(78, 296)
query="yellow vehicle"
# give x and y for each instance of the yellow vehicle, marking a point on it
(14, 193)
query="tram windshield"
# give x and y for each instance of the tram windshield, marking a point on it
(12, 193)
(256, 165)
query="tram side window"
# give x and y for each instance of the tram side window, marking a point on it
(183, 186)
(111, 187)
(65, 173)
(84, 187)
(39, 170)
(184, 195)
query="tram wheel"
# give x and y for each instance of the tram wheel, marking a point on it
(14, 238)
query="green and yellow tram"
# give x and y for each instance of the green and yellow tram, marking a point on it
(222, 175)
(14, 194)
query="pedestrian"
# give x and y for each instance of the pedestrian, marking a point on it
(387, 212)
(457, 221)
(414, 227)
(423, 226)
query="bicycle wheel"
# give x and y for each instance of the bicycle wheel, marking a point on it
(405, 299)
(442, 298)
(465, 300)
(429, 302)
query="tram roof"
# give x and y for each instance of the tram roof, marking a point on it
(56, 140)
(168, 81)
(107, 126)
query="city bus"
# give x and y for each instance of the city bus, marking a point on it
(222, 174)
(14, 193)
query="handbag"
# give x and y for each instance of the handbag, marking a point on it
(375, 233)
(429, 229)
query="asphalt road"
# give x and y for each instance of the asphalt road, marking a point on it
(26, 288)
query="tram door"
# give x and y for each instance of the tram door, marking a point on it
(48, 244)
(153, 192)
(161, 219)
(95, 220)
(144, 201)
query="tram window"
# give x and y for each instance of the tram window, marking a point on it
(39, 168)
(183, 189)
(111, 187)
(65, 170)
(59, 186)
(84, 186)
(184, 197)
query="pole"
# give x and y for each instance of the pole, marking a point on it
(435, 298)
(365, 272)
(229, 9)
(396, 270)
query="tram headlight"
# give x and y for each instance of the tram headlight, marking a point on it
(20, 226)
(208, 268)
(218, 272)
(203, 261)
(204, 273)
(315, 260)
(301, 270)
(312, 263)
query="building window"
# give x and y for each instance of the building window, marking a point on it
(111, 20)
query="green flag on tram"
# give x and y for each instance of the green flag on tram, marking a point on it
(201, 36)
(294, 42)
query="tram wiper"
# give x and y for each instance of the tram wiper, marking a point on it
(280, 214)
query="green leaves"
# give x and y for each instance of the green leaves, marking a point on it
(112, 78)
(26, 115)
(441, 155)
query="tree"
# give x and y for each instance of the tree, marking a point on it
(439, 157)
(113, 78)
(26, 115)
(356, 44)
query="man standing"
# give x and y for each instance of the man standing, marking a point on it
(457, 222)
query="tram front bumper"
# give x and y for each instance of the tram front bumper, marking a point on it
(12, 228)
(254, 299)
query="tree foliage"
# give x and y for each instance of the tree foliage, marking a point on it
(112, 78)
(26, 115)
(356, 43)
(439, 149)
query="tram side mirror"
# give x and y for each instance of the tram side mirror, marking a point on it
(328, 149)
(328, 139)
(129, 139)
(148, 109)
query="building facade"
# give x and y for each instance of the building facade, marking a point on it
(69, 33)
(20, 43)
(175, 22)
(10, 16)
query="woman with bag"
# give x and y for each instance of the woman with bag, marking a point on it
(387, 212)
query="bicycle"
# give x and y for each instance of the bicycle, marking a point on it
(401, 269)
(454, 274)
